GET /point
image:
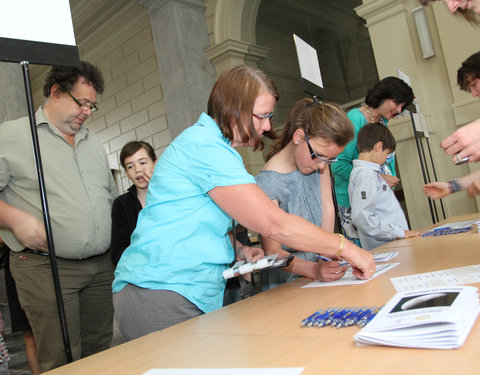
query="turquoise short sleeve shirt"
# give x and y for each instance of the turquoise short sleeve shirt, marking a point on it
(181, 241)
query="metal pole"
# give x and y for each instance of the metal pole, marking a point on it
(421, 163)
(435, 175)
(46, 215)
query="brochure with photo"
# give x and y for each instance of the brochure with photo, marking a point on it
(435, 318)
(270, 261)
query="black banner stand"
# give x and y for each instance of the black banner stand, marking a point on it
(46, 214)
(424, 165)
(36, 52)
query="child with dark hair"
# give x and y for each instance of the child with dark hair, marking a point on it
(384, 100)
(138, 159)
(375, 210)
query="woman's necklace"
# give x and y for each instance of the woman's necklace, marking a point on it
(370, 115)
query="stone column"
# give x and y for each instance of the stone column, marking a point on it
(180, 35)
(13, 102)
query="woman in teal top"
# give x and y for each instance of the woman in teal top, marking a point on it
(172, 271)
(386, 99)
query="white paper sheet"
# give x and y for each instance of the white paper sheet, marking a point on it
(450, 277)
(226, 371)
(308, 61)
(349, 279)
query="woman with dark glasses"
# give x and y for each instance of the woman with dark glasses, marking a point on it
(296, 178)
(386, 99)
(172, 271)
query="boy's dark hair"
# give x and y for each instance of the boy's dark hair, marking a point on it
(389, 88)
(66, 76)
(132, 147)
(373, 133)
(469, 71)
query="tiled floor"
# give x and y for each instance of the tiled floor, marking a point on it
(18, 364)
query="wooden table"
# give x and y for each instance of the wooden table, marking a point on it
(264, 330)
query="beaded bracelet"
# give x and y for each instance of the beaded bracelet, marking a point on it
(454, 185)
(340, 249)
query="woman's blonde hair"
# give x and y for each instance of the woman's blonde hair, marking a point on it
(233, 97)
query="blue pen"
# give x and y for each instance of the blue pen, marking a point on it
(364, 321)
(351, 318)
(319, 317)
(319, 320)
(431, 232)
(329, 320)
(323, 258)
(307, 321)
(340, 322)
(361, 313)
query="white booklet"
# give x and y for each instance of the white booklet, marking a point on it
(434, 318)
(270, 261)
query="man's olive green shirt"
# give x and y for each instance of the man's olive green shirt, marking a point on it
(79, 184)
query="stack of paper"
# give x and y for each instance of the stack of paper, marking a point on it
(435, 318)
(379, 258)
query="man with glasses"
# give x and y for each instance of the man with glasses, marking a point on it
(80, 190)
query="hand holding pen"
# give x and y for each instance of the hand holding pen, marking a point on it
(329, 270)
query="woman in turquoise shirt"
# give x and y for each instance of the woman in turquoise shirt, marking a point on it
(386, 99)
(172, 271)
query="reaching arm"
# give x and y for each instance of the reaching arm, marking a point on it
(470, 183)
(465, 141)
(250, 206)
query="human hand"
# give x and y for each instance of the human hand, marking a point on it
(474, 189)
(465, 142)
(412, 233)
(147, 174)
(436, 190)
(250, 254)
(392, 181)
(31, 233)
(329, 271)
(361, 261)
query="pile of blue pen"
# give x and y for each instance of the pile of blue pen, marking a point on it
(341, 317)
(445, 230)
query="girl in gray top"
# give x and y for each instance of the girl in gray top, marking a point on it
(296, 177)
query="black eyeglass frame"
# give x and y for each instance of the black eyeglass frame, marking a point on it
(92, 107)
(314, 155)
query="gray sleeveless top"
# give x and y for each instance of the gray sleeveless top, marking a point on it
(297, 194)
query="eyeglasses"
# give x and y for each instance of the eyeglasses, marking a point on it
(265, 116)
(314, 155)
(92, 107)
